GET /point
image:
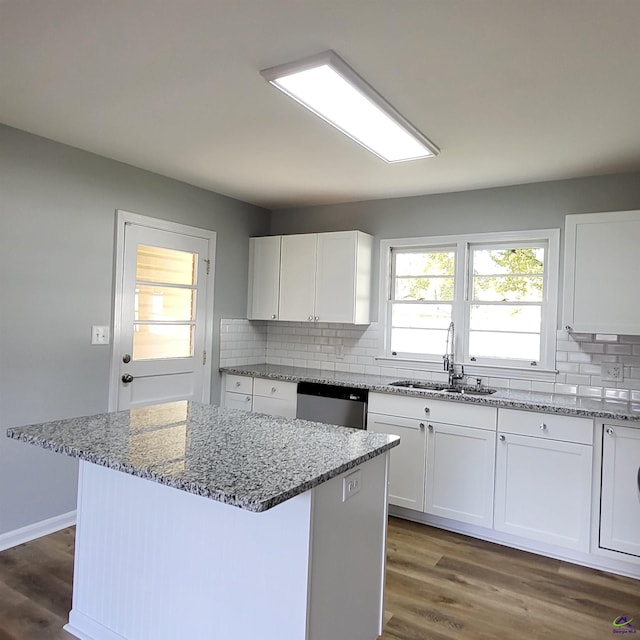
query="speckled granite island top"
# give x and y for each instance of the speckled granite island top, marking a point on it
(527, 400)
(247, 460)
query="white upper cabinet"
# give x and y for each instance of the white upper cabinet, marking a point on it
(298, 277)
(601, 267)
(321, 277)
(264, 278)
(343, 277)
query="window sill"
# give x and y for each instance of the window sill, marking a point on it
(470, 369)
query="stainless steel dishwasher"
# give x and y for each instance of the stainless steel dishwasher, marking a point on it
(332, 404)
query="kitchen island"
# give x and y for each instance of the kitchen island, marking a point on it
(201, 522)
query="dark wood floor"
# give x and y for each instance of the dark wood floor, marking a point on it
(440, 586)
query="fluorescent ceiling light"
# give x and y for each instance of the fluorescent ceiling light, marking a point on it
(326, 85)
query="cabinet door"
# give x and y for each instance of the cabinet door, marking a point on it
(274, 406)
(543, 490)
(237, 401)
(264, 278)
(406, 472)
(460, 473)
(600, 272)
(620, 507)
(339, 298)
(298, 277)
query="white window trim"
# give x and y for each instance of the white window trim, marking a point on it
(545, 371)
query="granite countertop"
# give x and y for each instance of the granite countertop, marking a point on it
(247, 460)
(529, 400)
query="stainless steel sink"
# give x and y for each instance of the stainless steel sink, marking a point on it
(435, 386)
(472, 391)
(416, 384)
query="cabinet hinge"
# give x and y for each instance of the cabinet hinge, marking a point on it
(208, 263)
(204, 358)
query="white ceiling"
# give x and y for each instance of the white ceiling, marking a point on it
(512, 91)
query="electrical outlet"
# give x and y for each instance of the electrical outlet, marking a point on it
(351, 485)
(611, 372)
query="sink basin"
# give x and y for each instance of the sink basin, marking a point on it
(435, 386)
(416, 384)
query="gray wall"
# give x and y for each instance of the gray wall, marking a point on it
(534, 206)
(57, 225)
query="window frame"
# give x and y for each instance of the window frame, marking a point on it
(543, 370)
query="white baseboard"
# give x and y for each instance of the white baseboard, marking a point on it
(608, 561)
(36, 530)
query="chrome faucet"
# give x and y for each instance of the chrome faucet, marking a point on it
(450, 358)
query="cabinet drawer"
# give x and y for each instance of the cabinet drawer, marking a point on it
(546, 425)
(238, 384)
(275, 389)
(238, 401)
(461, 413)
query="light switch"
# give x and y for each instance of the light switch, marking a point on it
(99, 334)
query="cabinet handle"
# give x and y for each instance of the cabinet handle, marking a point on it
(273, 389)
(431, 427)
(610, 431)
(273, 316)
(237, 383)
(568, 327)
(310, 318)
(317, 318)
(502, 438)
(543, 426)
(422, 426)
(427, 410)
(248, 398)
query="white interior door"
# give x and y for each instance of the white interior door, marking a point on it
(162, 330)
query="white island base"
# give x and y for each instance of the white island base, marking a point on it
(157, 563)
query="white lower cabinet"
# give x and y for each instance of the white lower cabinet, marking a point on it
(460, 472)
(238, 401)
(407, 461)
(620, 504)
(275, 397)
(543, 478)
(237, 392)
(261, 395)
(444, 464)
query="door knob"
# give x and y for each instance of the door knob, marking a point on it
(126, 358)
(127, 377)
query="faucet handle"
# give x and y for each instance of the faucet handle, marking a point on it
(446, 362)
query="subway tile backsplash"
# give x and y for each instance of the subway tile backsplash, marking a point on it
(351, 348)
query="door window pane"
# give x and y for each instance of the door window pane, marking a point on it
(167, 266)
(164, 303)
(153, 341)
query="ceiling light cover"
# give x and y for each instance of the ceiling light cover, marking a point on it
(328, 87)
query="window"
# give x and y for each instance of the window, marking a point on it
(422, 299)
(499, 289)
